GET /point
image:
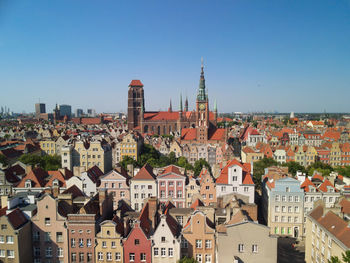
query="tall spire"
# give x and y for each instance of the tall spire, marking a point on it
(180, 102)
(201, 91)
(186, 104)
(215, 106)
(170, 107)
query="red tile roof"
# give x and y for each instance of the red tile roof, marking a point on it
(161, 115)
(196, 203)
(325, 185)
(136, 82)
(217, 134)
(171, 169)
(188, 134)
(223, 178)
(306, 184)
(345, 206)
(145, 173)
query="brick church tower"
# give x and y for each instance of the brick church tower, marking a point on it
(202, 110)
(136, 104)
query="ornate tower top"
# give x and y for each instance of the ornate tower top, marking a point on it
(181, 102)
(202, 96)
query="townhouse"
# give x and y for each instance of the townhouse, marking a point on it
(236, 177)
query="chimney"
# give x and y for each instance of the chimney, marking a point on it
(152, 210)
(130, 170)
(29, 168)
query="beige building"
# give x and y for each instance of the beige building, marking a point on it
(108, 241)
(87, 155)
(192, 191)
(246, 241)
(15, 237)
(248, 155)
(49, 230)
(327, 232)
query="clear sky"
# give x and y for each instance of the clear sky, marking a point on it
(259, 55)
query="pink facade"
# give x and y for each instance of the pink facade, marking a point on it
(137, 247)
(171, 187)
(117, 184)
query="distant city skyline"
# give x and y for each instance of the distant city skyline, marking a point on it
(259, 55)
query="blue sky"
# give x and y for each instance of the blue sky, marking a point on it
(259, 55)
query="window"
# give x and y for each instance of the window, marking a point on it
(156, 251)
(277, 198)
(10, 253)
(59, 252)
(223, 188)
(290, 198)
(246, 189)
(2, 253)
(296, 198)
(207, 258)
(88, 242)
(207, 243)
(283, 209)
(48, 252)
(118, 256)
(100, 256)
(81, 242)
(170, 252)
(179, 194)
(81, 257)
(89, 257)
(47, 221)
(163, 239)
(9, 239)
(290, 209)
(143, 256)
(179, 219)
(59, 237)
(255, 248)
(137, 241)
(276, 218)
(109, 256)
(241, 248)
(234, 178)
(113, 244)
(296, 209)
(104, 244)
(199, 257)
(163, 251)
(48, 236)
(277, 208)
(198, 243)
(184, 243)
(3, 227)
(283, 198)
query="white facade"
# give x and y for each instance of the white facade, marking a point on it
(140, 190)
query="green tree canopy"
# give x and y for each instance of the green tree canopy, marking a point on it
(47, 162)
(187, 260)
(293, 167)
(199, 164)
(3, 160)
(259, 169)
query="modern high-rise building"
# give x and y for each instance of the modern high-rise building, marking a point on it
(65, 110)
(39, 109)
(79, 112)
(91, 112)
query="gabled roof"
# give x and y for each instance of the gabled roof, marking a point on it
(188, 134)
(306, 184)
(171, 169)
(37, 177)
(325, 185)
(161, 115)
(74, 190)
(17, 218)
(223, 178)
(94, 173)
(196, 204)
(145, 173)
(216, 134)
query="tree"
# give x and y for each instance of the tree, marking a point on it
(334, 260)
(3, 160)
(320, 167)
(293, 167)
(345, 256)
(126, 161)
(187, 260)
(182, 162)
(259, 169)
(46, 162)
(199, 164)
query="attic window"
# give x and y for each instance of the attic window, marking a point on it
(28, 184)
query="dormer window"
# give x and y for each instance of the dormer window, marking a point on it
(55, 182)
(28, 184)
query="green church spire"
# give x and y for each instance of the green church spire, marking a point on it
(202, 96)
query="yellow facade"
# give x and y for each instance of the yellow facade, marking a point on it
(311, 155)
(48, 146)
(320, 245)
(108, 247)
(335, 154)
(93, 155)
(129, 147)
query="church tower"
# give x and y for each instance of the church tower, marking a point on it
(135, 105)
(202, 110)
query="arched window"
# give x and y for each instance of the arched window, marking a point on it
(145, 129)
(158, 130)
